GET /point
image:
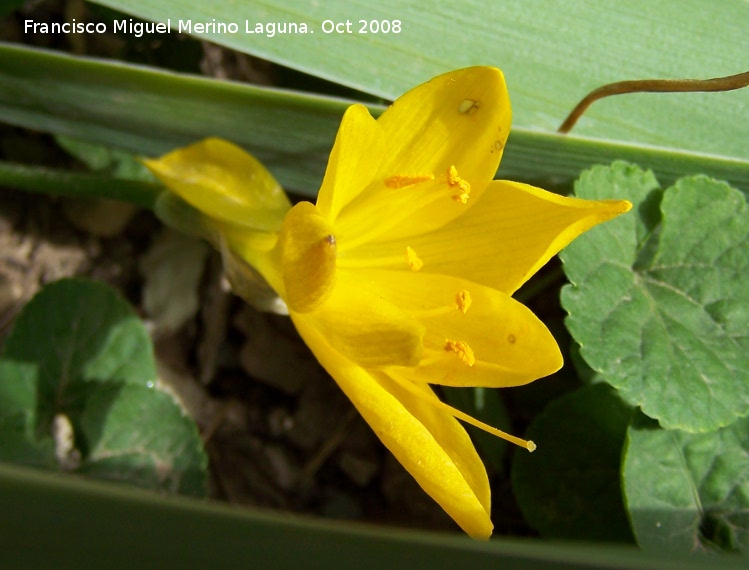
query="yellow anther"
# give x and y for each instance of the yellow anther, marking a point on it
(401, 181)
(461, 348)
(413, 260)
(463, 300)
(463, 186)
(462, 197)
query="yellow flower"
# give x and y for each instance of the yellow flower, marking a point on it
(401, 275)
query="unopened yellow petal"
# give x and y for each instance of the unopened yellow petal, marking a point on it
(429, 443)
(497, 343)
(225, 183)
(512, 231)
(433, 131)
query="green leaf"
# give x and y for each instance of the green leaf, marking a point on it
(552, 55)
(74, 331)
(18, 442)
(63, 522)
(117, 163)
(291, 133)
(76, 393)
(569, 487)
(687, 492)
(8, 6)
(659, 297)
(79, 184)
(137, 434)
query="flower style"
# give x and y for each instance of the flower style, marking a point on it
(401, 275)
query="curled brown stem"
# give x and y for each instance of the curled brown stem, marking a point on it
(654, 86)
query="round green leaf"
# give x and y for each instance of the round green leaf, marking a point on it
(659, 300)
(18, 443)
(688, 491)
(76, 393)
(72, 331)
(569, 487)
(75, 330)
(139, 435)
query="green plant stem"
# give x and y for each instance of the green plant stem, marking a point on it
(65, 183)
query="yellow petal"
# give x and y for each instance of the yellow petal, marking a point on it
(496, 342)
(457, 122)
(504, 239)
(353, 163)
(366, 328)
(225, 183)
(307, 250)
(430, 444)
(461, 119)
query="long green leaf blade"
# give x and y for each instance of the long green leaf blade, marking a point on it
(552, 54)
(96, 524)
(150, 112)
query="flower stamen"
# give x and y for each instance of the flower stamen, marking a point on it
(461, 348)
(413, 260)
(460, 184)
(403, 181)
(462, 303)
(463, 300)
(411, 387)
